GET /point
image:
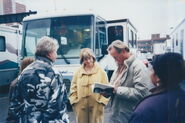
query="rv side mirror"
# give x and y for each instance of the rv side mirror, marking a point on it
(104, 49)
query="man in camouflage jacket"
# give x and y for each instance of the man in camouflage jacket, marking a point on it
(40, 95)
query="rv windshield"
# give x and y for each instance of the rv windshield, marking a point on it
(72, 34)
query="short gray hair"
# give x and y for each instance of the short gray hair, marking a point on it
(45, 46)
(119, 46)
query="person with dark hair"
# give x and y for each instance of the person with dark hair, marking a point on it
(40, 95)
(25, 62)
(88, 106)
(167, 103)
(130, 81)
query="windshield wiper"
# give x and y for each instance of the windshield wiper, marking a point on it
(62, 54)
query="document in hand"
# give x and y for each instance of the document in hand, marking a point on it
(102, 88)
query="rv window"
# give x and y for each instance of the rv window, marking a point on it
(131, 38)
(100, 36)
(2, 44)
(182, 41)
(176, 39)
(173, 43)
(115, 33)
(135, 40)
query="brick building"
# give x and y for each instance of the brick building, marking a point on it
(10, 6)
(20, 8)
(148, 45)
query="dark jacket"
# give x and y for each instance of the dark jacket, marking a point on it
(162, 107)
(39, 95)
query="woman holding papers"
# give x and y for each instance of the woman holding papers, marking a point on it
(88, 106)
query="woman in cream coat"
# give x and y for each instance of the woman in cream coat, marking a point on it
(88, 106)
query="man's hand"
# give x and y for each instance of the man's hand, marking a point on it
(115, 88)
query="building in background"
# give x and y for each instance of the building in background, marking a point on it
(1, 7)
(155, 45)
(145, 45)
(10, 6)
(20, 7)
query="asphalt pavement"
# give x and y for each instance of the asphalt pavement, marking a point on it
(4, 103)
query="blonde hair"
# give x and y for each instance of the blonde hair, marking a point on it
(86, 52)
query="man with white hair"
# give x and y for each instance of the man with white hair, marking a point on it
(40, 95)
(130, 82)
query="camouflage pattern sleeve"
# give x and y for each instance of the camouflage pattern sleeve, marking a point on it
(58, 98)
(39, 96)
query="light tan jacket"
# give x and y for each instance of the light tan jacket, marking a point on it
(132, 89)
(82, 82)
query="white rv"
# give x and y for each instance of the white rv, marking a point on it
(9, 38)
(178, 39)
(123, 30)
(72, 31)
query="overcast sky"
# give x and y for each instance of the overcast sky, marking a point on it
(148, 16)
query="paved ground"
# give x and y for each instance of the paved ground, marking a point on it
(3, 103)
(4, 108)
(106, 116)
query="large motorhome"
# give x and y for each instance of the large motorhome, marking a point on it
(73, 32)
(9, 38)
(178, 39)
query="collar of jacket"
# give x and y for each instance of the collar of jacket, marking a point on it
(44, 59)
(157, 90)
(160, 89)
(129, 61)
(94, 70)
